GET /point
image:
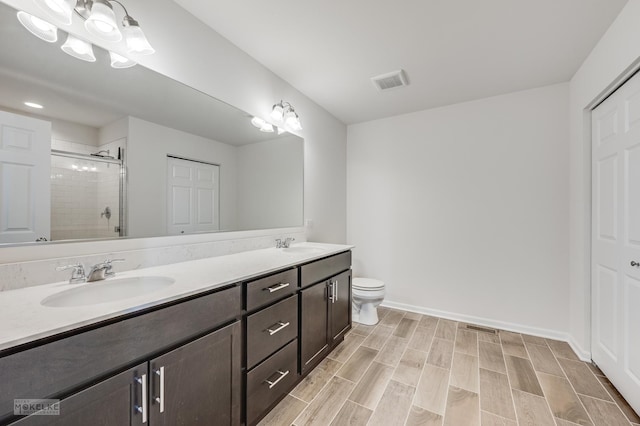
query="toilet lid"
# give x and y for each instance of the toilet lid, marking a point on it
(367, 284)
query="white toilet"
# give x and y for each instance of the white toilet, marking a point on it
(367, 295)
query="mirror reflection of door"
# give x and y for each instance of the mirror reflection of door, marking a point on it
(25, 195)
(193, 196)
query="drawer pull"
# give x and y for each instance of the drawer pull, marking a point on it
(280, 326)
(276, 287)
(275, 382)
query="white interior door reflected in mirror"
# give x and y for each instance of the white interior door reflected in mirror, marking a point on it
(193, 196)
(25, 193)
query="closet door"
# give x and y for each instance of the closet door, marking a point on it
(615, 277)
(193, 194)
(25, 178)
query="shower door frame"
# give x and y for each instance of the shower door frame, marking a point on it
(122, 222)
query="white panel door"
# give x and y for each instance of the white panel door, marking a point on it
(615, 278)
(193, 196)
(25, 178)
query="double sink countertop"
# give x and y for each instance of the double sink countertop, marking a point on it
(23, 319)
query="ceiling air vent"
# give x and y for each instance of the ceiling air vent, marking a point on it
(391, 80)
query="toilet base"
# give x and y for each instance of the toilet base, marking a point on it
(368, 314)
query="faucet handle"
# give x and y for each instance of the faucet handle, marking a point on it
(278, 242)
(108, 266)
(77, 275)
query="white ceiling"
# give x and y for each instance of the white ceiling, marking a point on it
(451, 50)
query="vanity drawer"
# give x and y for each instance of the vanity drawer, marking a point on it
(324, 268)
(269, 289)
(65, 364)
(270, 380)
(269, 329)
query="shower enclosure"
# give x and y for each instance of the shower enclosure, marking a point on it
(87, 193)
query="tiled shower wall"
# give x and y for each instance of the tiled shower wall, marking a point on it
(78, 197)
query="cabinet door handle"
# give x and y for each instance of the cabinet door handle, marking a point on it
(160, 399)
(282, 374)
(143, 409)
(336, 283)
(276, 287)
(331, 290)
(280, 326)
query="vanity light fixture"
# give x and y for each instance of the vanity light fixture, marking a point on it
(119, 61)
(60, 10)
(262, 125)
(38, 27)
(100, 21)
(284, 112)
(79, 49)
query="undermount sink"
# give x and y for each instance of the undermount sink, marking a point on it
(302, 250)
(110, 290)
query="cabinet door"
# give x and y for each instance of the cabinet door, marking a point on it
(112, 402)
(314, 323)
(199, 383)
(340, 306)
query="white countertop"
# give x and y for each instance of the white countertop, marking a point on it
(23, 319)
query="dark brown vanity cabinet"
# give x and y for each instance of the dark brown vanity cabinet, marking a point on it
(224, 357)
(110, 402)
(176, 365)
(325, 305)
(187, 386)
(271, 341)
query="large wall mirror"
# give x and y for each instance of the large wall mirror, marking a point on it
(129, 152)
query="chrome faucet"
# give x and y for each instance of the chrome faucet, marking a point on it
(280, 243)
(102, 270)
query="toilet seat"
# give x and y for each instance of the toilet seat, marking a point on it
(367, 284)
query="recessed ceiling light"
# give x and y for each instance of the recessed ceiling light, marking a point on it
(33, 105)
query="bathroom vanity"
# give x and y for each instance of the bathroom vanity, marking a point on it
(223, 349)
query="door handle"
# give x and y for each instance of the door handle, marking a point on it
(282, 325)
(331, 290)
(635, 264)
(143, 408)
(160, 398)
(336, 283)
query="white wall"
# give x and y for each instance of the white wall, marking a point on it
(463, 209)
(610, 62)
(270, 184)
(148, 146)
(189, 51)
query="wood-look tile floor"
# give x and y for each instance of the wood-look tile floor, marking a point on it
(413, 369)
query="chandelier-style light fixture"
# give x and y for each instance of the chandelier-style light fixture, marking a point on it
(285, 117)
(100, 21)
(284, 112)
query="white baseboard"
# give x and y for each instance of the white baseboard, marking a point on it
(502, 325)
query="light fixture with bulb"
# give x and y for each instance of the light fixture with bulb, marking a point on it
(285, 113)
(262, 125)
(100, 21)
